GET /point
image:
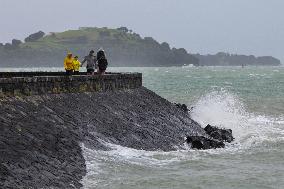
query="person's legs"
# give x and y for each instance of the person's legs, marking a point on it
(90, 71)
(69, 72)
(101, 72)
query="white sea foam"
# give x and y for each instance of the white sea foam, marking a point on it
(223, 109)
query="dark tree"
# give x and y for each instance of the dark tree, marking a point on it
(35, 36)
(123, 29)
(180, 51)
(16, 42)
(136, 36)
(8, 46)
(165, 46)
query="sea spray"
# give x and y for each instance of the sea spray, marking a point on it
(224, 109)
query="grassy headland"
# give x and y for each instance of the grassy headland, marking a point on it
(123, 48)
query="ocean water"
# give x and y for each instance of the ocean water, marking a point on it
(250, 101)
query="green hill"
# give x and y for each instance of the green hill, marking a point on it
(123, 48)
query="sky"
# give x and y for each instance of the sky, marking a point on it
(251, 27)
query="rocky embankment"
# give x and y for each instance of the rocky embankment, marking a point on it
(40, 136)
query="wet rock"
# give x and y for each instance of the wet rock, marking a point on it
(203, 143)
(219, 134)
(183, 107)
(40, 136)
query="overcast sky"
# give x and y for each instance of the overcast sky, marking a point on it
(204, 26)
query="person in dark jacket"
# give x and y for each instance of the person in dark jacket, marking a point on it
(101, 54)
(101, 61)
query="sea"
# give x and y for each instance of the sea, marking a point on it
(248, 100)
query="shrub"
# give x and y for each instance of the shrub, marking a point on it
(35, 36)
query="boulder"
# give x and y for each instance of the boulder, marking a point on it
(203, 143)
(219, 134)
(183, 107)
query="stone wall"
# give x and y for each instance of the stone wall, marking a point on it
(55, 83)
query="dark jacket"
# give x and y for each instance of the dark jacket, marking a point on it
(102, 64)
(101, 54)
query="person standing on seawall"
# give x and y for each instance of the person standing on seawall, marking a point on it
(68, 64)
(102, 61)
(91, 62)
(76, 65)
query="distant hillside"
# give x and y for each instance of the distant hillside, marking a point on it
(225, 59)
(123, 48)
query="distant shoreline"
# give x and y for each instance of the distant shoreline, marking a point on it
(124, 48)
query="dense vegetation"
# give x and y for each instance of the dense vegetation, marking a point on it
(123, 48)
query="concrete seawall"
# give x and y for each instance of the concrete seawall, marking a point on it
(37, 83)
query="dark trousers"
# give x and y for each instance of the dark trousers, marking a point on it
(69, 72)
(90, 71)
(102, 71)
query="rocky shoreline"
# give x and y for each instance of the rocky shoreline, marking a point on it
(40, 136)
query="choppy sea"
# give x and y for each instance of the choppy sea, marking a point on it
(249, 100)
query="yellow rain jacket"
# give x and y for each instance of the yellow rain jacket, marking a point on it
(68, 63)
(76, 65)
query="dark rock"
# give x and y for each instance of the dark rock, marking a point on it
(219, 134)
(203, 143)
(183, 107)
(4, 173)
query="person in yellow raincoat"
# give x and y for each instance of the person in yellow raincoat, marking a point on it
(76, 65)
(68, 64)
